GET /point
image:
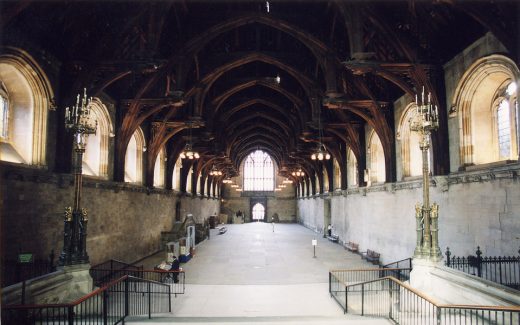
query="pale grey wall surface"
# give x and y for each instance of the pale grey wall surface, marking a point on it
(480, 208)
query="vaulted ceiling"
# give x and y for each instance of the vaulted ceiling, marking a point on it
(213, 66)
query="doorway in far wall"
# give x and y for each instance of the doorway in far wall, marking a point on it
(258, 205)
(258, 212)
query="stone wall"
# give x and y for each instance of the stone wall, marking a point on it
(453, 73)
(479, 208)
(125, 221)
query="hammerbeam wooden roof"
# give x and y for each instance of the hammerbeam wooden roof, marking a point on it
(212, 65)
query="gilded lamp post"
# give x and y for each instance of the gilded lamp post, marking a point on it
(424, 121)
(81, 123)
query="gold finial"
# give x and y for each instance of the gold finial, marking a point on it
(68, 214)
(84, 214)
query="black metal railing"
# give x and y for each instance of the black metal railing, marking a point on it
(504, 270)
(14, 271)
(390, 298)
(402, 267)
(176, 279)
(127, 296)
(111, 272)
(339, 279)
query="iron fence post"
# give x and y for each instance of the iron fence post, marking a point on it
(105, 307)
(127, 300)
(70, 315)
(448, 254)
(170, 298)
(391, 299)
(149, 302)
(330, 286)
(362, 299)
(346, 300)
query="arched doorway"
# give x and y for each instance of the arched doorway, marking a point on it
(258, 212)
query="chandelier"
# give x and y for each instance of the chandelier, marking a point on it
(80, 120)
(298, 173)
(321, 152)
(215, 172)
(426, 117)
(188, 151)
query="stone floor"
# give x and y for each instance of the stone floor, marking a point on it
(255, 273)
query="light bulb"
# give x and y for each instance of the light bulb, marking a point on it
(294, 173)
(327, 156)
(197, 155)
(183, 155)
(313, 157)
(320, 156)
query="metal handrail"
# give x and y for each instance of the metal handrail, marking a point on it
(391, 298)
(175, 278)
(112, 301)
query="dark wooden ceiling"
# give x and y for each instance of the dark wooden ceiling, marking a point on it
(214, 63)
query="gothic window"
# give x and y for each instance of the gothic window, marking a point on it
(176, 177)
(377, 159)
(159, 169)
(134, 158)
(408, 142)
(258, 172)
(337, 175)
(4, 112)
(189, 181)
(325, 180)
(25, 95)
(95, 158)
(198, 183)
(503, 129)
(352, 168)
(486, 104)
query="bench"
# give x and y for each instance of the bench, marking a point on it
(371, 256)
(353, 247)
(333, 238)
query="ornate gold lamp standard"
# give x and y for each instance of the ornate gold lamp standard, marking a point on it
(80, 123)
(424, 121)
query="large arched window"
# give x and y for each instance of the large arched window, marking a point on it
(176, 177)
(411, 156)
(4, 111)
(189, 181)
(377, 159)
(506, 116)
(258, 172)
(352, 169)
(326, 187)
(159, 169)
(134, 158)
(95, 158)
(25, 95)
(337, 175)
(486, 103)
